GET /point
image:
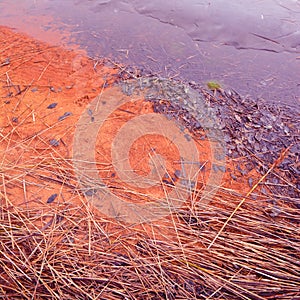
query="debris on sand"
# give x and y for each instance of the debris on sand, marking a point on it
(54, 244)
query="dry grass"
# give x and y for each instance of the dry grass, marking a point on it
(239, 246)
(242, 245)
(66, 251)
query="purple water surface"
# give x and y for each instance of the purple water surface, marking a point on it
(250, 46)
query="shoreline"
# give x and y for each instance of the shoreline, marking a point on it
(56, 244)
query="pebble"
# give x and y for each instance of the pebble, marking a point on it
(51, 198)
(54, 142)
(52, 105)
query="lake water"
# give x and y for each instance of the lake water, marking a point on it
(252, 46)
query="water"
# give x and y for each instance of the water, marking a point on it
(250, 46)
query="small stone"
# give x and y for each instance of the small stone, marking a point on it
(90, 192)
(54, 142)
(15, 119)
(52, 105)
(51, 198)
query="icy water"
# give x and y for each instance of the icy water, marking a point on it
(252, 47)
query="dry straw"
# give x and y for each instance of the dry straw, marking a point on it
(242, 245)
(66, 251)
